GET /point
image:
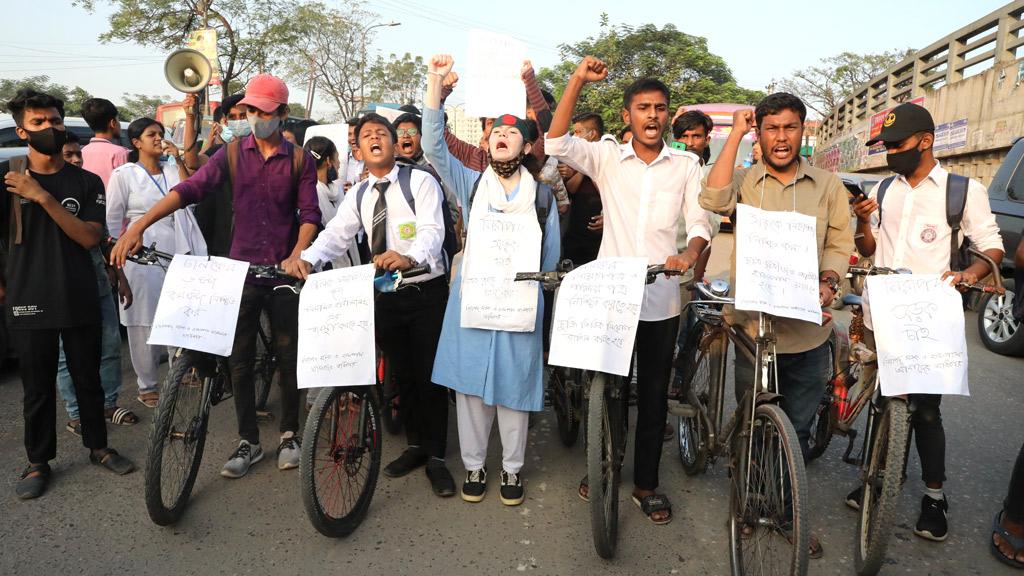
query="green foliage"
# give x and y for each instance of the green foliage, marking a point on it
(73, 96)
(134, 106)
(693, 74)
(297, 110)
(397, 80)
(825, 86)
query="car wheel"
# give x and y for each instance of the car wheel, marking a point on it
(999, 331)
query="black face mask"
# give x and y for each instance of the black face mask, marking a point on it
(48, 141)
(904, 163)
(506, 168)
(332, 174)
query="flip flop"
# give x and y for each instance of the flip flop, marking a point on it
(584, 485)
(74, 427)
(111, 460)
(1014, 541)
(122, 417)
(149, 399)
(654, 503)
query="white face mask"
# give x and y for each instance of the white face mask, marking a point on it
(263, 129)
(236, 129)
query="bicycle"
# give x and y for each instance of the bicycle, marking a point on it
(195, 383)
(387, 381)
(883, 454)
(767, 528)
(605, 400)
(341, 448)
(566, 392)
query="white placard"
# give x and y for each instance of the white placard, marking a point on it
(502, 245)
(597, 310)
(493, 77)
(777, 263)
(919, 332)
(336, 329)
(198, 306)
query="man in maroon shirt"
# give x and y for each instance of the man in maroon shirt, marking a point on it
(266, 231)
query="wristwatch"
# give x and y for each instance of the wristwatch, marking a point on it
(412, 261)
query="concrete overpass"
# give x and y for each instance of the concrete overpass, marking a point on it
(972, 82)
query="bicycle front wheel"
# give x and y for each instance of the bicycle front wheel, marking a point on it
(177, 439)
(883, 479)
(605, 420)
(767, 533)
(699, 365)
(340, 461)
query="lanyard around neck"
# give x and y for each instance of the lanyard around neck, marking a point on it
(163, 191)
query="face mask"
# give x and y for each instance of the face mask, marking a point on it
(506, 168)
(904, 163)
(48, 141)
(263, 129)
(332, 174)
(238, 128)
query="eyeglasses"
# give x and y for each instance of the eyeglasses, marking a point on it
(407, 131)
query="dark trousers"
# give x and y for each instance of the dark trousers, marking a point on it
(408, 324)
(654, 345)
(38, 351)
(1014, 503)
(929, 435)
(802, 380)
(283, 308)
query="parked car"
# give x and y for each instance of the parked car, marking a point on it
(999, 332)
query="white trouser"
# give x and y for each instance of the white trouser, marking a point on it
(145, 358)
(475, 420)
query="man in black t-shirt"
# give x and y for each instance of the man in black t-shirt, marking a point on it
(53, 214)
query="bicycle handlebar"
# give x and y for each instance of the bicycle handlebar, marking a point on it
(554, 277)
(979, 287)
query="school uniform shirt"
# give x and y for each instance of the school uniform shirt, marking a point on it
(643, 204)
(51, 280)
(100, 156)
(417, 235)
(913, 232)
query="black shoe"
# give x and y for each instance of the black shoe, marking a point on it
(440, 478)
(475, 486)
(931, 524)
(853, 499)
(34, 486)
(512, 493)
(410, 460)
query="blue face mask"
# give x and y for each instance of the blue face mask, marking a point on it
(236, 129)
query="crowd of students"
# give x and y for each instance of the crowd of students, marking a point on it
(411, 192)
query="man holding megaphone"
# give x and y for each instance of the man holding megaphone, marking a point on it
(271, 180)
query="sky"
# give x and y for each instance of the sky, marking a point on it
(760, 41)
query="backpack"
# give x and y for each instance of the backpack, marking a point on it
(956, 201)
(18, 165)
(450, 244)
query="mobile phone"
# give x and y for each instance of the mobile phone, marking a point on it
(677, 145)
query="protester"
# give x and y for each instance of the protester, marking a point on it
(275, 215)
(625, 135)
(646, 187)
(330, 195)
(409, 150)
(354, 167)
(582, 239)
(913, 232)
(408, 321)
(110, 346)
(493, 372)
(693, 129)
(134, 189)
(103, 153)
(55, 215)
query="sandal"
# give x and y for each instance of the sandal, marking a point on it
(111, 460)
(149, 399)
(653, 503)
(121, 417)
(30, 486)
(1014, 541)
(75, 427)
(584, 490)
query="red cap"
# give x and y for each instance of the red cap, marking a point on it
(265, 92)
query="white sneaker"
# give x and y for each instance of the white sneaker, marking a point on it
(244, 457)
(288, 453)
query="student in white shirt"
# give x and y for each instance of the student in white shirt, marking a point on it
(645, 187)
(912, 232)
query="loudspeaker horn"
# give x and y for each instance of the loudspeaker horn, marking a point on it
(188, 70)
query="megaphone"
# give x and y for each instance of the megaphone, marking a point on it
(188, 70)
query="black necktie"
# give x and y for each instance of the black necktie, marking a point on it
(379, 227)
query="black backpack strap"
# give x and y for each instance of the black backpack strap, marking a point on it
(882, 187)
(18, 165)
(404, 182)
(359, 199)
(956, 202)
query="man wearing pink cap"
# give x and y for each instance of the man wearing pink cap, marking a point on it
(271, 181)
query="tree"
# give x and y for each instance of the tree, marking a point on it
(252, 35)
(397, 80)
(73, 96)
(693, 74)
(136, 106)
(824, 87)
(297, 110)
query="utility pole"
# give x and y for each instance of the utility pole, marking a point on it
(362, 65)
(310, 89)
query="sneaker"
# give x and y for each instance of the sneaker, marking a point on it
(853, 499)
(244, 457)
(410, 460)
(931, 524)
(475, 486)
(288, 453)
(512, 493)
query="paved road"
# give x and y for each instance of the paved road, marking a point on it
(91, 522)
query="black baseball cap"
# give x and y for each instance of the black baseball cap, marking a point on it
(903, 122)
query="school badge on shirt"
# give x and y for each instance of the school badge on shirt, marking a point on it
(928, 235)
(407, 231)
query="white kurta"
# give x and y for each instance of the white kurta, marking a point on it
(130, 194)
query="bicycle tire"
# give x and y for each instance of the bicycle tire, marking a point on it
(699, 371)
(764, 510)
(336, 455)
(389, 400)
(821, 428)
(604, 438)
(564, 403)
(182, 415)
(264, 365)
(878, 506)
